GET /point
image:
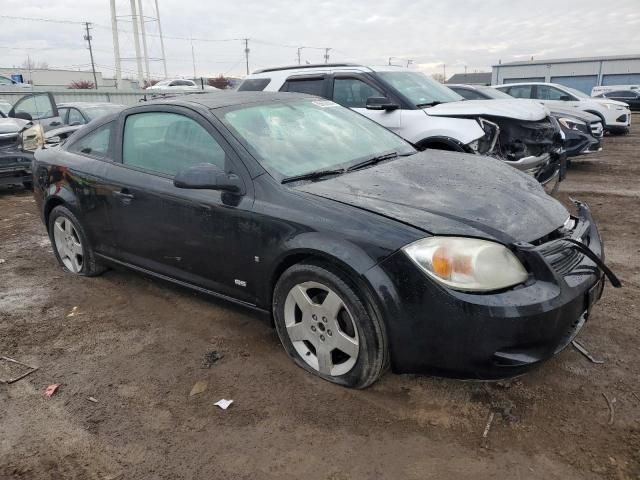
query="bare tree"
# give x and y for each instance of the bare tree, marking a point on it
(30, 64)
(438, 77)
(220, 82)
(81, 85)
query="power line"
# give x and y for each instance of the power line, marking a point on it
(52, 20)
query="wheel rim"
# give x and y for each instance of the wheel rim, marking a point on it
(321, 328)
(68, 244)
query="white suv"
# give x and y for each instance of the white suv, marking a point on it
(616, 116)
(427, 113)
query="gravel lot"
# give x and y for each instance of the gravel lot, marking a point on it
(137, 346)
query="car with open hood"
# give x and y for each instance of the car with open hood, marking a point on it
(428, 114)
(582, 131)
(364, 252)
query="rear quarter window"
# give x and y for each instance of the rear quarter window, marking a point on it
(254, 85)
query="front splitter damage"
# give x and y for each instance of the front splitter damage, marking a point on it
(532, 147)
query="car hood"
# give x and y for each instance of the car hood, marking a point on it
(574, 112)
(530, 111)
(450, 193)
(608, 100)
(11, 125)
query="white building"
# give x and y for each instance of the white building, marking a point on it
(60, 79)
(581, 73)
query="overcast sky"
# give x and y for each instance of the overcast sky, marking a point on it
(472, 33)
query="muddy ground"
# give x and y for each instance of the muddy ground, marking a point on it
(137, 346)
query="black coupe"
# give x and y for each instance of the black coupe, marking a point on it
(367, 253)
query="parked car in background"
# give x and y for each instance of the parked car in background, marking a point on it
(582, 131)
(630, 97)
(19, 138)
(81, 113)
(615, 116)
(9, 83)
(428, 114)
(36, 119)
(367, 253)
(595, 91)
(5, 107)
(179, 84)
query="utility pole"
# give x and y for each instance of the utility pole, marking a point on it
(144, 39)
(465, 69)
(326, 55)
(444, 73)
(87, 37)
(164, 58)
(409, 62)
(116, 44)
(299, 59)
(246, 53)
(136, 42)
(193, 59)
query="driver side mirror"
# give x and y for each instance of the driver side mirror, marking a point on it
(22, 115)
(381, 103)
(565, 98)
(209, 177)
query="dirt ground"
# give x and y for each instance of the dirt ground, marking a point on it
(137, 346)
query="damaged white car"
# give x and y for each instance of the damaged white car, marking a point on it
(430, 115)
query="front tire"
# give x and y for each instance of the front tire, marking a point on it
(326, 328)
(71, 245)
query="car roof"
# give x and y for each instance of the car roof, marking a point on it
(87, 104)
(530, 83)
(221, 99)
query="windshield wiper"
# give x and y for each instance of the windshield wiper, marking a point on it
(311, 175)
(372, 161)
(429, 104)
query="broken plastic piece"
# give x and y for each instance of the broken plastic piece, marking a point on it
(198, 388)
(223, 404)
(51, 389)
(578, 346)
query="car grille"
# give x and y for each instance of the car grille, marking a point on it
(597, 130)
(562, 258)
(8, 139)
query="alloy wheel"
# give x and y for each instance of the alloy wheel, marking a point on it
(321, 328)
(68, 244)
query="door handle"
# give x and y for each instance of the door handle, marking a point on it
(124, 194)
(55, 124)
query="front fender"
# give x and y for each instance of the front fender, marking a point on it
(320, 246)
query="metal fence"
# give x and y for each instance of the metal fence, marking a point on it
(128, 98)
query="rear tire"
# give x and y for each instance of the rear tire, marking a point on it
(28, 185)
(326, 328)
(71, 245)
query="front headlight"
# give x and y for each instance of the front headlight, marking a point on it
(611, 106)
(570, 123)
(32, 138)
(467, 264)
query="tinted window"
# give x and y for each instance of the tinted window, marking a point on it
(62, 113)
(167, 143)
(75, 117)
(38, 106)
(254, 85)
(468, 94)
(545, 92)
(621, 94)
(353, 93)
(101, 111)
(313, 86)
(520, 91)
(298, 137)
(95, 144)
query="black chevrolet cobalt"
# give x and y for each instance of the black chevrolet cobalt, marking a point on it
(367, 253)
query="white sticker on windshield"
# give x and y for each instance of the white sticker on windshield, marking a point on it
(325, 103)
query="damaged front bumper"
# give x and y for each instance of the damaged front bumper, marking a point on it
(532, 147)
(494, 335)
(15, 164)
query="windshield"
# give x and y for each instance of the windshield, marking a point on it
(419, 89)
(101, 111)
(295, 138)
(575, 92)
(494, 93)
